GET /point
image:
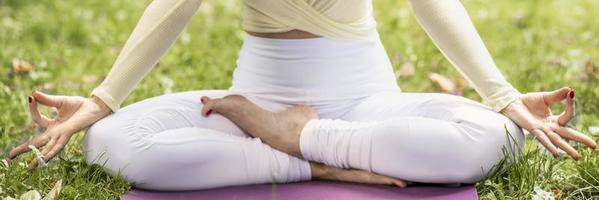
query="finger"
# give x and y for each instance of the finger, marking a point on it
(37, 117)
(562, 144)
(565, 117)
(572, 134)
(60, 144)
(208, 104)
(541, 137)
(49, 147)
(24, 148)
(49, 100)
(40, 140)
(556, 95)
(33, 164)
(18, 151)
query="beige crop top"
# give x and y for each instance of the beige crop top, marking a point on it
(351, 19)
(445, 21)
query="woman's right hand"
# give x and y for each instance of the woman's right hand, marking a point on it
(74, 113)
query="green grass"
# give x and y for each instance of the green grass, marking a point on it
(538, 45)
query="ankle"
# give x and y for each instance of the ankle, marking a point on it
(319, 171)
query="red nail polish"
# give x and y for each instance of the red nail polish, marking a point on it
(571, 94)
(30, 99)
(208, 113)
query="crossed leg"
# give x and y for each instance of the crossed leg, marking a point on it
(422, 137)
(164, 143)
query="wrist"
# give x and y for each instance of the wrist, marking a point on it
(103, 107)
(510, 107)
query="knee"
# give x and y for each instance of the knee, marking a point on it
(105, 144)
(96, 141)
(500, 138)
(504, 135)
(122, 148)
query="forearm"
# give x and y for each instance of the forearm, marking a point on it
(153, 35)
(449, 26)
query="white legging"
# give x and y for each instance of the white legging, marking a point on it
(366, 122)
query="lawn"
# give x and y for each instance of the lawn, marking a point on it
(538, 45)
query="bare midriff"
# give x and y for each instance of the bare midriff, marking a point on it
(292, 34)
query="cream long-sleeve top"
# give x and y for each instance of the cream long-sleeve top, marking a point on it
(445, 21)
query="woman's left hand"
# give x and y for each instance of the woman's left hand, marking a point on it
(533, 113)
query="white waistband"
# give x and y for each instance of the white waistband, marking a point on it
(314, 69)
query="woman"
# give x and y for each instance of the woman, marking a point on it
(313, 97)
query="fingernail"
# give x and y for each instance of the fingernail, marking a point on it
(30, 99)
(571, 94)
(208, 113)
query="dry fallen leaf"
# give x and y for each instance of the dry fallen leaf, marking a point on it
(31, 195)
(541, 194)
(443, 82)
(460, 84)
(77, 152)
(53, 194)
(557, 193)
(20, 66)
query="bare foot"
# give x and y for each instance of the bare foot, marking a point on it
(324, 172)
(281, 130)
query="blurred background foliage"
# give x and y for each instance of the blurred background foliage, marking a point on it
(67, 47)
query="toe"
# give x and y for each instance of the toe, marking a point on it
(207, 109)
(204, 99)
(400, 183)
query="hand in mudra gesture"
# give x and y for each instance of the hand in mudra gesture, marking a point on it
(73, 114)
(532, 112)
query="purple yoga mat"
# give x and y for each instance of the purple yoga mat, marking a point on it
(312, 190)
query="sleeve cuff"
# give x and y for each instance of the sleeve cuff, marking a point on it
(106, 98)
(499, 104)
